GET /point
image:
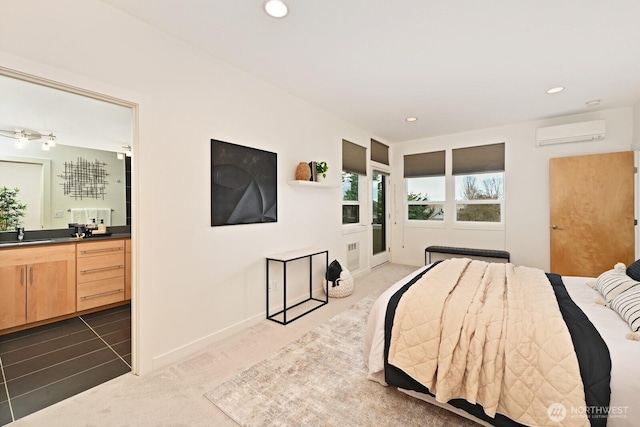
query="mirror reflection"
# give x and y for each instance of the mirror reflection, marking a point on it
(67, 154)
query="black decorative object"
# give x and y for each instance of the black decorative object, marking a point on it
(85, 180)
(244, 186)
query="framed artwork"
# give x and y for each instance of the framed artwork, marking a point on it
(244, 187)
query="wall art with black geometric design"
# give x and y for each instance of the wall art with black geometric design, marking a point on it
(85, 179)
(244, 185)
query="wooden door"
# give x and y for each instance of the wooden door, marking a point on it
(592, 220)
(13, 296)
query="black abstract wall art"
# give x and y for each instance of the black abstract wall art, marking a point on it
(244, 187)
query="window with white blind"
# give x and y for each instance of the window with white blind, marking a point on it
(354, 169)
(479, 183)
(424, 175)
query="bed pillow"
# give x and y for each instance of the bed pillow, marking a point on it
(613, 282)
(627, 305)
(633, 270)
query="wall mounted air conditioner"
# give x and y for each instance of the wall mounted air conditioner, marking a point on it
(573, 132)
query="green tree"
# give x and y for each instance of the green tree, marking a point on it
(11, 210)
(349, 186)
(422, 211)
(491, 189)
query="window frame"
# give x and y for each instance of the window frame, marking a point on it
(353, 202)
(479, 225)
(407, 203)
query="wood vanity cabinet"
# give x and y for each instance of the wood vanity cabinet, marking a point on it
(100, 273)
(37, 283)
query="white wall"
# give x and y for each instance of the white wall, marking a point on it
(194, 283)
(526, 231)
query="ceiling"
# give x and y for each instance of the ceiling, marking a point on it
(456, 65)
(75, 120)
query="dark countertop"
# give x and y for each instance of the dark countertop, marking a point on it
(9, 240)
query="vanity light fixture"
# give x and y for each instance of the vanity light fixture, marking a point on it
(276, 8)
(23, 136)
(411, 119)
(555, 90)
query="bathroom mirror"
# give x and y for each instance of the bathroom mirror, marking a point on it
(88, 168)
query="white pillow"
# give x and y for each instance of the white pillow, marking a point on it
(627, 305)
(613, 282)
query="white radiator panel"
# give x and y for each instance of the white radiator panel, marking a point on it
(353, 256)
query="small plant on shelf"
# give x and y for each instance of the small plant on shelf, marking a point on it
(321, 169)
(11, 210)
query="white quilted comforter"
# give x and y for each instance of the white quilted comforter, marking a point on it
(491, 334)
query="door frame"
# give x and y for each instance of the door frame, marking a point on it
(385, 256)
(141, 360)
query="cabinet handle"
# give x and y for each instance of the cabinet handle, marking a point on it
(102, 294)
(21, 276)
(90, 251)
(31, 275)
(93, 270)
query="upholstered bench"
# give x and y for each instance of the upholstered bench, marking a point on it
(487, 253)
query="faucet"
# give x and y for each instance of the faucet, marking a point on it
(20, 233)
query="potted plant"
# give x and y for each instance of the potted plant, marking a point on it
(11, 210)
(321, 169)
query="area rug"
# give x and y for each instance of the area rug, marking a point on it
(320, 380)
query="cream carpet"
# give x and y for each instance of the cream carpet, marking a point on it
(320, 380)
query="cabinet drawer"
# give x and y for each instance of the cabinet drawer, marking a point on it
(89, 249)
(100, 267)
(100, 292)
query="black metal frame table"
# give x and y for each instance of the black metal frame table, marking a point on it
(285, 258)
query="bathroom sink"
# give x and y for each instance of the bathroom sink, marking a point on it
(26, 242)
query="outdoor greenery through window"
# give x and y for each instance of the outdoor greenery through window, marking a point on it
(425, 198)
(479, 197)
(350, 203)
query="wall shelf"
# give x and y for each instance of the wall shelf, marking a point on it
(299, 183)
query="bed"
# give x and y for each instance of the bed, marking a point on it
(623, 408)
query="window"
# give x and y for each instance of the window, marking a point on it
(354, 165)
(350, 202)
(425, 198)
(425, 186)
(479, 183)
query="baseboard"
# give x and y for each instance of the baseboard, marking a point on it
(190, 348)
(199, 344)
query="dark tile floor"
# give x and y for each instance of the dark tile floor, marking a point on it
(44, 365)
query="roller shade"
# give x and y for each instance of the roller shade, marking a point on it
(424, 164)
(354, 158)
(379, 152)
(479, 159)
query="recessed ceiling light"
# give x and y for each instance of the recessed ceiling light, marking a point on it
(276, 8)
(411, 119)
(593, 103)
(555, 89)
